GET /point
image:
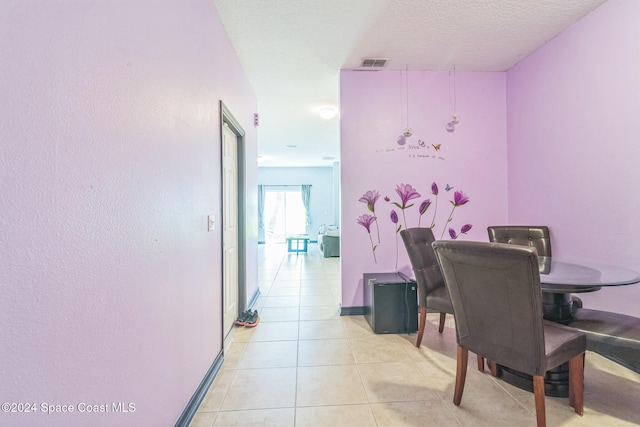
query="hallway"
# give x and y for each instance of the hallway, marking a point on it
(304, 365)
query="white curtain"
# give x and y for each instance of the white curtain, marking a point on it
(305, 191)
(260, 206)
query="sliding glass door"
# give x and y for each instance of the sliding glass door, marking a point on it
(284, 213)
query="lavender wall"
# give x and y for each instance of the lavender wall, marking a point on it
(573, 143)
(471, 159)
(110, 164)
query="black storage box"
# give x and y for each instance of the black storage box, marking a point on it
(390, 303)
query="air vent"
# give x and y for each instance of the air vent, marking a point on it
(374, 62)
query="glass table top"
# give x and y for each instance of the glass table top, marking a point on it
(563, 276)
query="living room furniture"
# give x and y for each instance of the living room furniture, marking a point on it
(297, 243)
(497, 301)
(329, 241)
(390, 303)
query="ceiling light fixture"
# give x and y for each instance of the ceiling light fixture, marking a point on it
(328, 113)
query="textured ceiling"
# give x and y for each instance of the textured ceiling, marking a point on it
(292, 52)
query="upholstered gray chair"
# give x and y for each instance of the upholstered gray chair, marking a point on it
(497, 302)
(537, 236)
(432, 292)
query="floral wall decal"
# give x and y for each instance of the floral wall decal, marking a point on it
(459, 199)
(370, 198)
(366, 220)
(407, 192)
(423, 208)
(394, 219)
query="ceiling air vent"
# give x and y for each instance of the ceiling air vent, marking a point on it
(374, 62)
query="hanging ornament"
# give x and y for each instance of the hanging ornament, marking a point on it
(451, 125)
(407, 133)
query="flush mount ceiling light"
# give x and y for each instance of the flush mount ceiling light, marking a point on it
(327, 113)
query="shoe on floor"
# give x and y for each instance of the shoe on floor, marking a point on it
(252, 320)
(242, 319)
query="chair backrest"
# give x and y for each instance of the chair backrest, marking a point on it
(497, 301)
(535, 236)
(423, 260)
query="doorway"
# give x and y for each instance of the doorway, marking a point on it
(233, 214)
(284, 213)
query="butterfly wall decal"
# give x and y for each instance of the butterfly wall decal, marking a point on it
(437, 147)
(448, 187)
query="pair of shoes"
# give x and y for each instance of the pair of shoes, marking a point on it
(252, 320)
(242, 319)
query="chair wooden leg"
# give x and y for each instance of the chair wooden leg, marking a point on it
(538, 391)
(576, 383)
(421, 324)
(480, 363)
(461, 374)
(441, 325)
(494, 368)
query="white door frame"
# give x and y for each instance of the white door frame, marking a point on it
(227, 118)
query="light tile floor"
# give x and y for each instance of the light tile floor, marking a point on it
(305, 365)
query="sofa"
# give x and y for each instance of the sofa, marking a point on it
(329, 241)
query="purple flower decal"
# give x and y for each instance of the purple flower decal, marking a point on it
(423, 208)
(459, 199)
(370, 198)
(453, 234)
(394, 219)
(434, 191)
(386, 199)
(366, 220)
(406, 193)
(465, 228)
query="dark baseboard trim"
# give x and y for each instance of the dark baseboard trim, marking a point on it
(194, 403)
(254, 299)
(351, 311)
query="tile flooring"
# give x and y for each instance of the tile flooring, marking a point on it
(304, 365)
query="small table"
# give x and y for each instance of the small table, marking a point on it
(297, 243)
(558, 280)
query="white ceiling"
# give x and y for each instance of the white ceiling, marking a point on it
(292, 52)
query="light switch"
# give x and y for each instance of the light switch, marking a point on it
(212, 222)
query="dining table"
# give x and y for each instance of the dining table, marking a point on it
(559, 280)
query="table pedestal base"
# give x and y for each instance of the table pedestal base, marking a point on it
(556, 381)
(558, 308)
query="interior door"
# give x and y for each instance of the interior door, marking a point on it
(229, 227)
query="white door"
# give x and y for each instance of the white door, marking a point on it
(229, 227)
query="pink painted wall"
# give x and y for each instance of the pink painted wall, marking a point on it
(111, 284)
(471, 159)
(573, 143)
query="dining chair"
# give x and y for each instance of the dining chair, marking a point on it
(537, 236)
(432, 293)
(497, 303)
